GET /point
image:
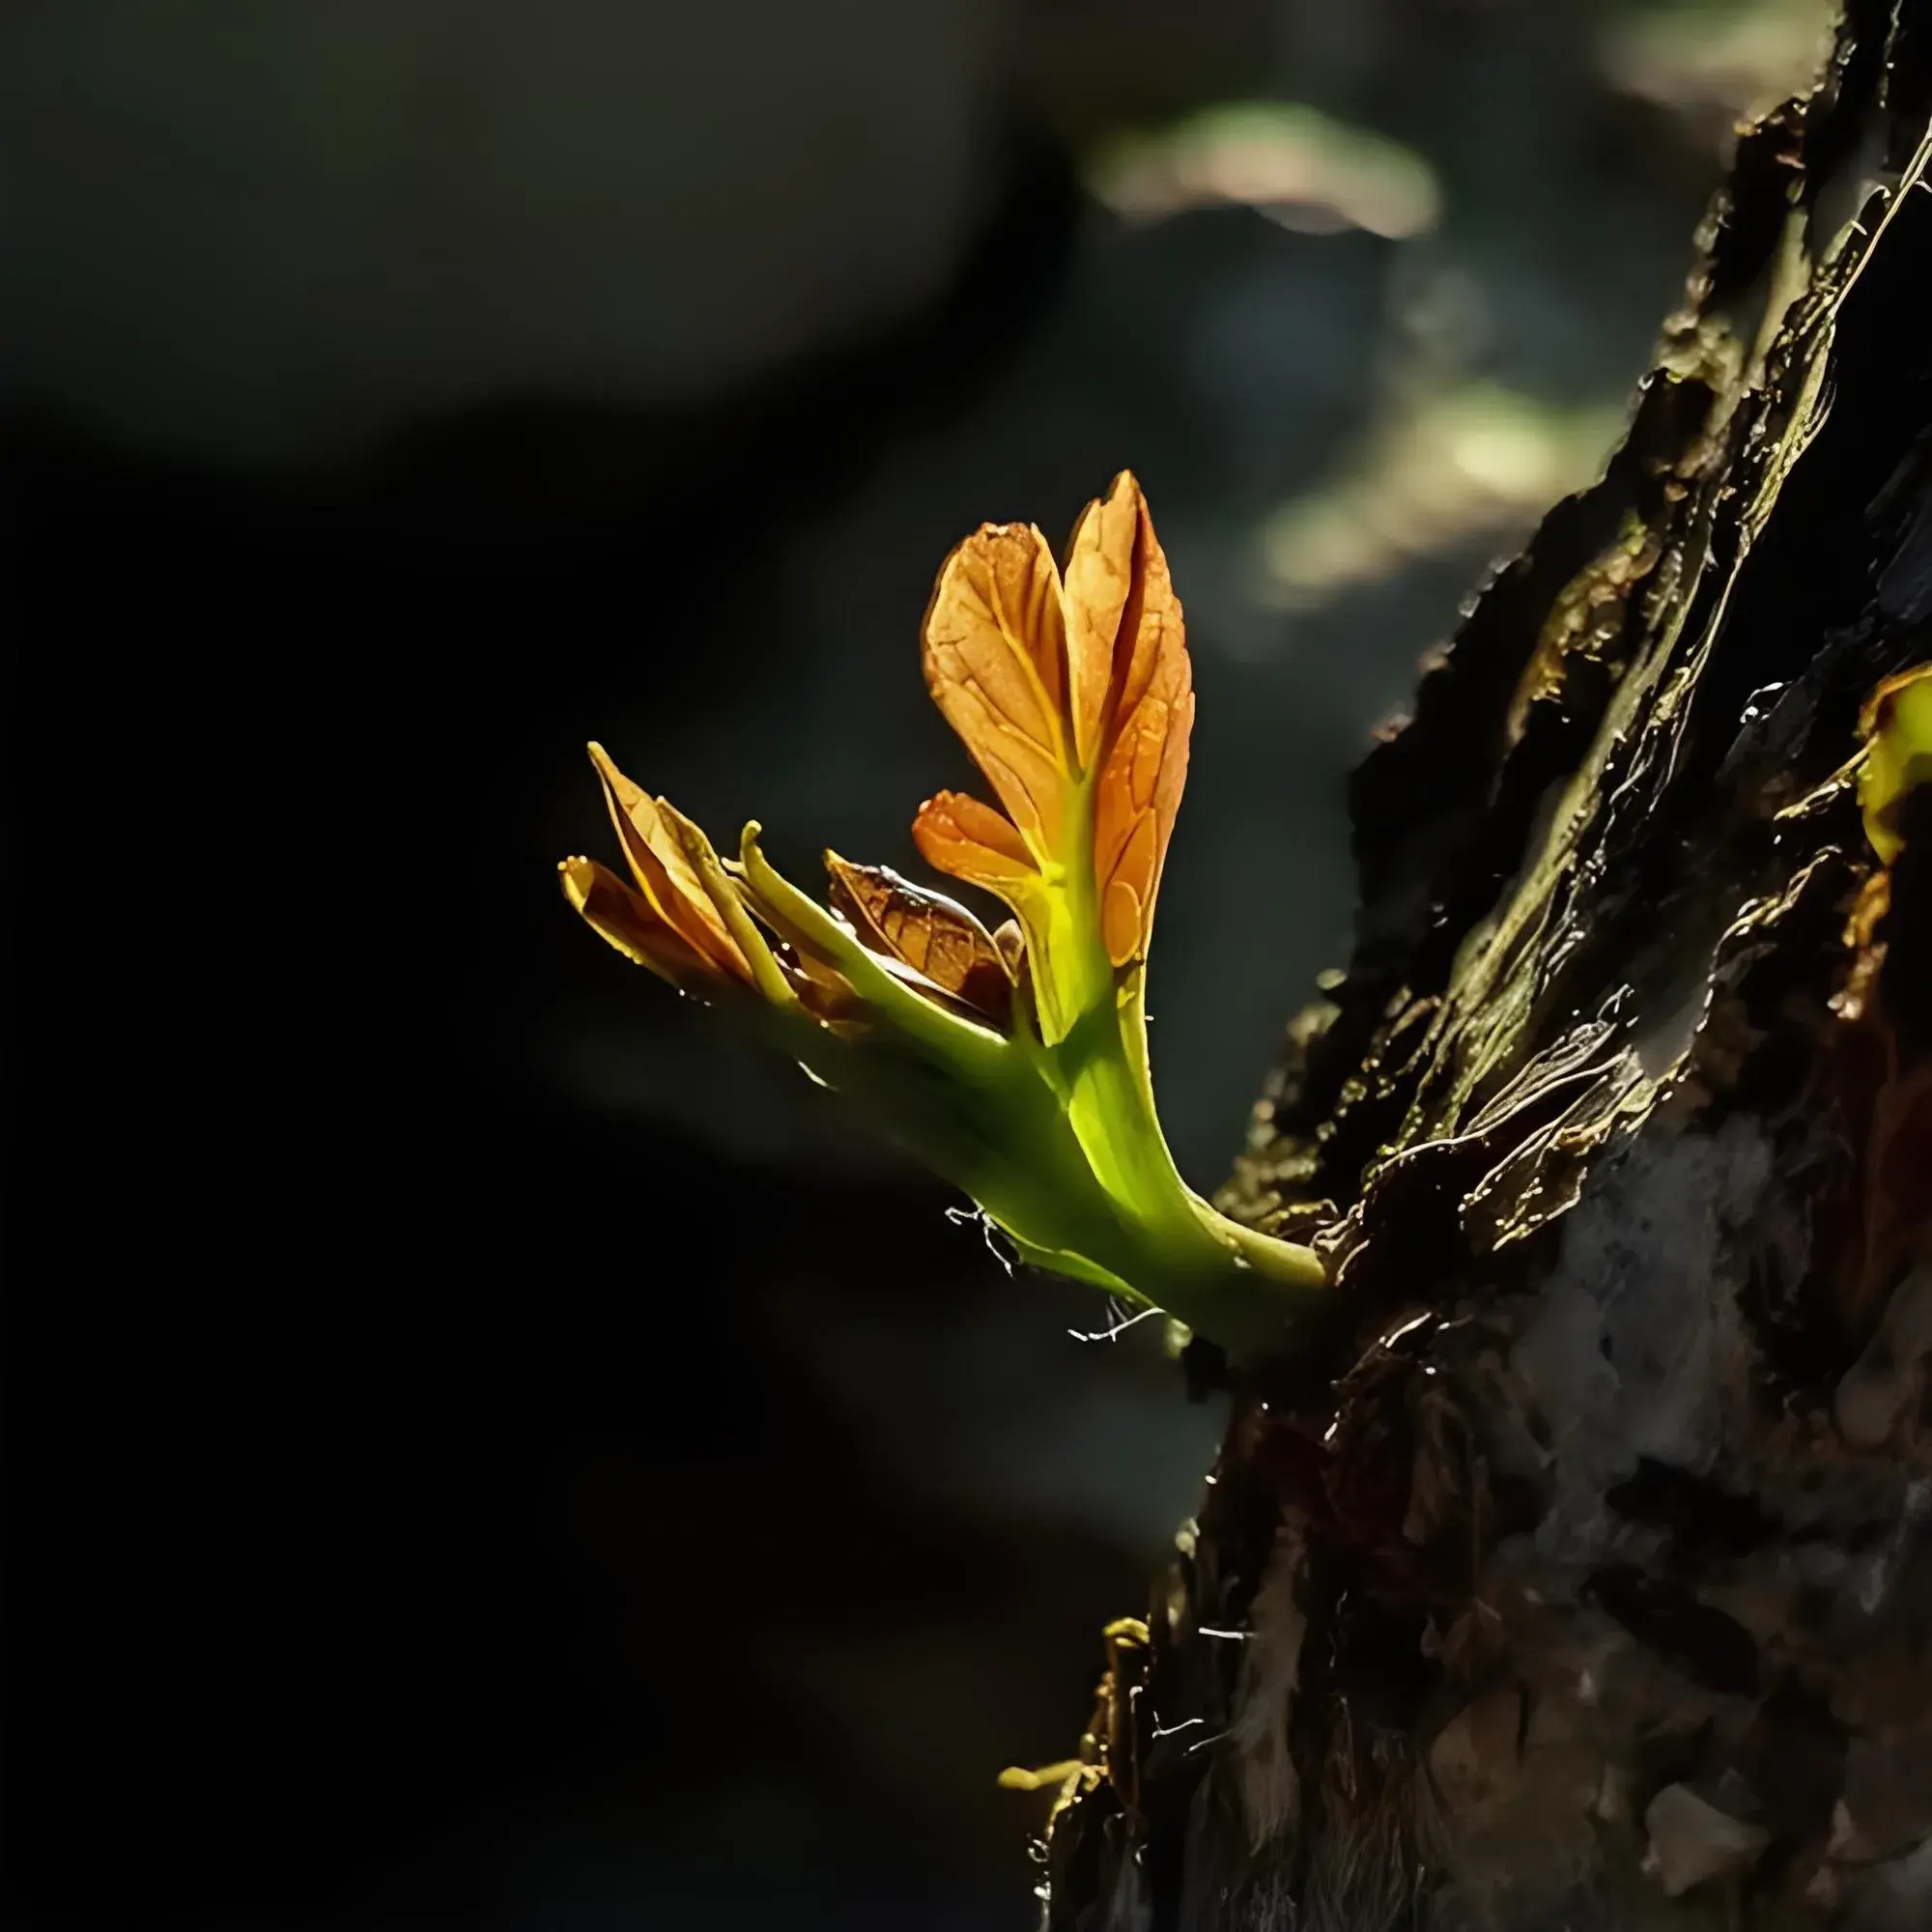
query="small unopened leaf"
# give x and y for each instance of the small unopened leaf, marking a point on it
(664, 871)
(629, 922)
(937, 939)
(727, 901)
(1010, 942)
(956, 834)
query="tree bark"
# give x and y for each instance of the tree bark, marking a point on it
(1578, 1573)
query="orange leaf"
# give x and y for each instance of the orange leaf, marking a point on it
(630, 923)
(665, 872)
(1148, 720)
(995, 655)
(1099, 580)
(956, 834)
(942, 941)
(1076, 699)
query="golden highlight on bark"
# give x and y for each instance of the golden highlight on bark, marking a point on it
(1897, 726)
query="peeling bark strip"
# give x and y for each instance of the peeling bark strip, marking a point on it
(1580, 1575)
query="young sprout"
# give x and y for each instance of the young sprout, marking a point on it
(1013, 1063)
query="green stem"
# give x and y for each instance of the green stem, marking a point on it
(1087, 1190)
(1052, 1130)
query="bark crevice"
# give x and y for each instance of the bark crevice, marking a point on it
(1577, 1573)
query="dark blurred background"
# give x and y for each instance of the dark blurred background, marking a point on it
(481, 1446)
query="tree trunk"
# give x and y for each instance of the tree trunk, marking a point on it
(1578, 1574)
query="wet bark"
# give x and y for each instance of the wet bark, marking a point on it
(1578, 1573)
